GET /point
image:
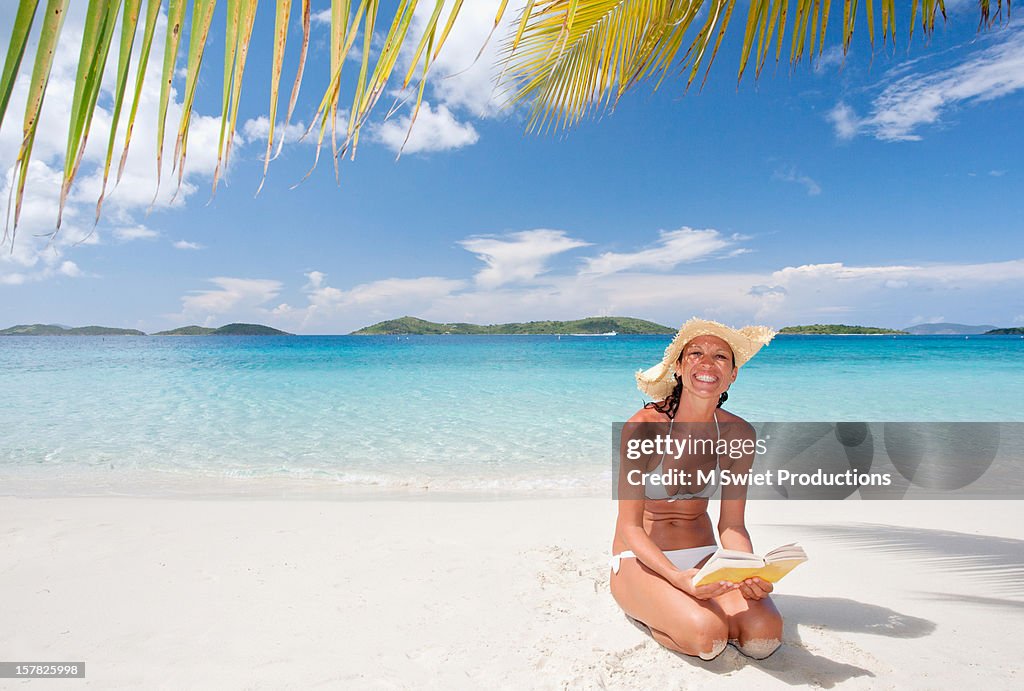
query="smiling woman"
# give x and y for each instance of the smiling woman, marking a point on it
(665, 535)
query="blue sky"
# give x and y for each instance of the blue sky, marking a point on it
(882, 191)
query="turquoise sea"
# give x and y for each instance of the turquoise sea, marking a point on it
(444, 414)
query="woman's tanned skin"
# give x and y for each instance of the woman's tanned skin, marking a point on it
(694, 621)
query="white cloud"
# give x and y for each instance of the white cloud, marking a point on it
(321, 17)
(792, 175)
(458, 81)
(258, 129)
(376, 300)
(12, 278)
(435, 130)
(315, 279)
(674, 247)
(186, 245)
(829, 57)
(918, 99)
(845, 121)
(232, 295)
(138, 232)
(516, 284)
(520, 256)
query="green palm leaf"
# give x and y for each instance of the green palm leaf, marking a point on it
(15, 51)
(175, 26)
(284, 9)
(152, 12)
(100, 19)
(53, 21)
(129, 21)
(202, 16)
(566, 58)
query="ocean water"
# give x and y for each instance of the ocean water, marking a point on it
(444, 414)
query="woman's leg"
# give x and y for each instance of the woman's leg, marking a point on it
(755, 626)
(677, 621)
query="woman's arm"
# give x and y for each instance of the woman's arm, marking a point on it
(630, 530)
(629, 526)
(732, 527)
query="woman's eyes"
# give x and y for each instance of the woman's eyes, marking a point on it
(697, 354)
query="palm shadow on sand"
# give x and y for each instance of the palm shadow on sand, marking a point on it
(996, 562)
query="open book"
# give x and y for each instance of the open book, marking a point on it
(733, 566)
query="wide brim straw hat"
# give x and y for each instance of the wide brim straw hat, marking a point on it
(658, 381)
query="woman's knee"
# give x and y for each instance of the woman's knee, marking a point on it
(760, 632)
(704, 633)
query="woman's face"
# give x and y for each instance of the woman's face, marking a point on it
(706, 366)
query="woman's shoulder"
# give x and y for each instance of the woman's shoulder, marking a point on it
(737, 426)
(648, 414)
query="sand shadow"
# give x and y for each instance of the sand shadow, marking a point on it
(844, 614)
(793, 663)
(999, 603)
(997, 562)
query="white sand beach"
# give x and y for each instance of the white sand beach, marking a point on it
(271, 593)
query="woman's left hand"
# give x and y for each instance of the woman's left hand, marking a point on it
(755, 588)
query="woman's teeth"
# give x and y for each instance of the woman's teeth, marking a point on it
(706, 378)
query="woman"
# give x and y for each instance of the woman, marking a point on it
(663, 533)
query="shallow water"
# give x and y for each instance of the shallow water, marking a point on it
(509, 414)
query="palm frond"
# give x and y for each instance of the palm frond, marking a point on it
(53, 21)
(566, 58)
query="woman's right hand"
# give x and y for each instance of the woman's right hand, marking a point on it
(684, 581)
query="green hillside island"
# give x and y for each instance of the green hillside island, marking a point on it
(408, 326)
(228, 330)
(1010, 331)
(836, 330)
(55, 330)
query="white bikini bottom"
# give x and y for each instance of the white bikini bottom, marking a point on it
(682, 558)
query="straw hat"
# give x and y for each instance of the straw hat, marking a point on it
(658, 381)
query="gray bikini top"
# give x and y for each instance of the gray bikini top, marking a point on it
(652, 491)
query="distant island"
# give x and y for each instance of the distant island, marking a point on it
(836, 330)
(57, 330)
(227, 330)
(589, 326)
(947, 329)
(1011, 331)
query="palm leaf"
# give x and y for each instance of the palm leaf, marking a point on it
(175, 25)
(284, 8)
(15, 50)
(343, 35)
(152, 12)
(298, 73)
(129, 21)
(202, 15)
(241, 15)
(100, 18)
(53, 21)
(564, 57)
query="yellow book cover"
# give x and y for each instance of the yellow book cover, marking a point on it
(734, 567)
